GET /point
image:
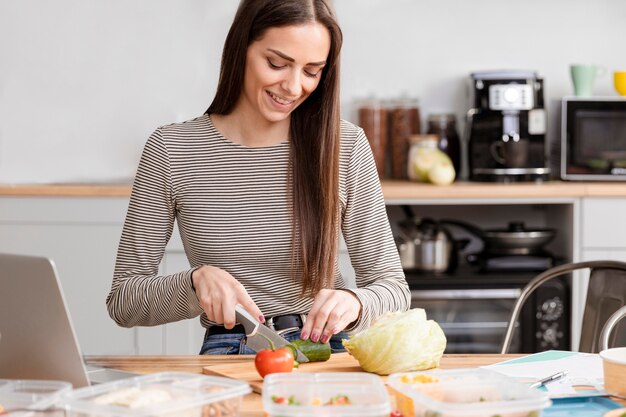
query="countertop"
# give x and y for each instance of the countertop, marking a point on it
(392, 189)
(252, 405)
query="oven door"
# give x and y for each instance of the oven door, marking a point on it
(473, 320)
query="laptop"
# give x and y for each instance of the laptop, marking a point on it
(37, 339)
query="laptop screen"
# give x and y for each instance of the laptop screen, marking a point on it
(37, 340)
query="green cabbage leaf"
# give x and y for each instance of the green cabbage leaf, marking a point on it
(398, 342)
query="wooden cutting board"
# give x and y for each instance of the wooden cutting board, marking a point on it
(245, 371)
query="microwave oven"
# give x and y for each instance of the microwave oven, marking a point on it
(593, 138)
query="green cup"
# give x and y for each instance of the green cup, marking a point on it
(583, 77)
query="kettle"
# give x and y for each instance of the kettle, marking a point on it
(425, 245)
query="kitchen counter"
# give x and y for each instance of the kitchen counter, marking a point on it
(252, 405)
(392, 189)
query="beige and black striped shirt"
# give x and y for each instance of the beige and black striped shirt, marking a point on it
(232, 208)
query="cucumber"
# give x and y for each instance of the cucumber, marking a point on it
(315, 352)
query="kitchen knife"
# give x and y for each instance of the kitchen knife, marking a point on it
(255, 332)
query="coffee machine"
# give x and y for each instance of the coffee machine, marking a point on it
(506, 127)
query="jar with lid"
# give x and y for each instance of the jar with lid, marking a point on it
(405, 121)
(373, 120)
(420, 144)
(444, 126)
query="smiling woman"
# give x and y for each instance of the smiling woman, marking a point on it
(282, 69)
(261, 186)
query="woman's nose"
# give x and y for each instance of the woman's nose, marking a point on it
(292, 83)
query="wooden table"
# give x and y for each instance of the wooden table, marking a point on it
(252, 406)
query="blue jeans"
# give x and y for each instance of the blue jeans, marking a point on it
(235, 343)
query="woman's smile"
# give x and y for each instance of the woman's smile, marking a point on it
(281, 101)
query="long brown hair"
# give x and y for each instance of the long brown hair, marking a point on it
(314, 130)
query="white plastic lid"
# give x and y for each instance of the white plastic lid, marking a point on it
(154, 394)
(31, 394)
(472, 391)
(311, 394)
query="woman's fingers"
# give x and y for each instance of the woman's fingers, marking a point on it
(332, 311)
(218, 292)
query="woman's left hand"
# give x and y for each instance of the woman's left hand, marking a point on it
(332, 311)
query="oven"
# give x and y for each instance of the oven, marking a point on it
(473, 309)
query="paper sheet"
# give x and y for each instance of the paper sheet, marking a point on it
(584, 372)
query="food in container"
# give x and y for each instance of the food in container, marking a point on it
(28, 396)
(332, 394)
(464, 393)
(157, 395)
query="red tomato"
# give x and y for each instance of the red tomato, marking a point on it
(270, 361)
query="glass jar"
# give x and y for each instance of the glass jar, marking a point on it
(418, 145)
(444, 126)
(373, 120)
(405, 121)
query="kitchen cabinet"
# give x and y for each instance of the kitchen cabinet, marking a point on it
(79, 227)
(80, 235)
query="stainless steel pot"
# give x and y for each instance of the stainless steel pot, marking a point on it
(424, 245)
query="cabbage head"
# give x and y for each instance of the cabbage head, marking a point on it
(398, 342)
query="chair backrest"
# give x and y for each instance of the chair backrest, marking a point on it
(606, 293)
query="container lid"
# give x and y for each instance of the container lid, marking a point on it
(332, 394)
(31, 394)
(441, 118)
(154, 394)
(474, 392)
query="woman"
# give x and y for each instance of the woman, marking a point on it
(260, 186)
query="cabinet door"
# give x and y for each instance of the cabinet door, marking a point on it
(81, 237)
(603, 223)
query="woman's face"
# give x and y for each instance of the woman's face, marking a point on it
(283, 68)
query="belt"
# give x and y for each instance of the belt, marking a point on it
(280, 324)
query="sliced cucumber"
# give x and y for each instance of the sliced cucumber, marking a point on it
(315, 352)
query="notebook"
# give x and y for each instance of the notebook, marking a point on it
(37, 339)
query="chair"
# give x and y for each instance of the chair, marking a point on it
(611, 324)
(606, 293)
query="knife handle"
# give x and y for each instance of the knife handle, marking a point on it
(246, 320)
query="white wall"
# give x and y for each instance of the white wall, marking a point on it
(84, 82)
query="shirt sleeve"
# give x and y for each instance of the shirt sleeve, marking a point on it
(139, 296)
(381, 285)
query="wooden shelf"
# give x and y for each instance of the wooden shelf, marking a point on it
(399, 190)
(392, 190)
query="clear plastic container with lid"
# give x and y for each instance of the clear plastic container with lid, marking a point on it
(419, 143)
(332, 394)
(464, 393)
(444, 126)
(21, 398)
(162, 394)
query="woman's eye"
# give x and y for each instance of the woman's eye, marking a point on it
(313, 74)
(273, 65)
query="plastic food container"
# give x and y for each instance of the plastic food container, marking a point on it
(161, 394)
(27, 395)
(464, 393)
(332, 394)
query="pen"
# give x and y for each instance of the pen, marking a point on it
(547, 379)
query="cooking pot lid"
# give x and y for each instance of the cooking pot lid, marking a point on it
(519, 230)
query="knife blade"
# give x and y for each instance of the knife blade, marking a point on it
(255, 332)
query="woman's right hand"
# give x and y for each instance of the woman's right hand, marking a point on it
(219, 292)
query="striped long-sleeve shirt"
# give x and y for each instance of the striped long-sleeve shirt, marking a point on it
(231, 203)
